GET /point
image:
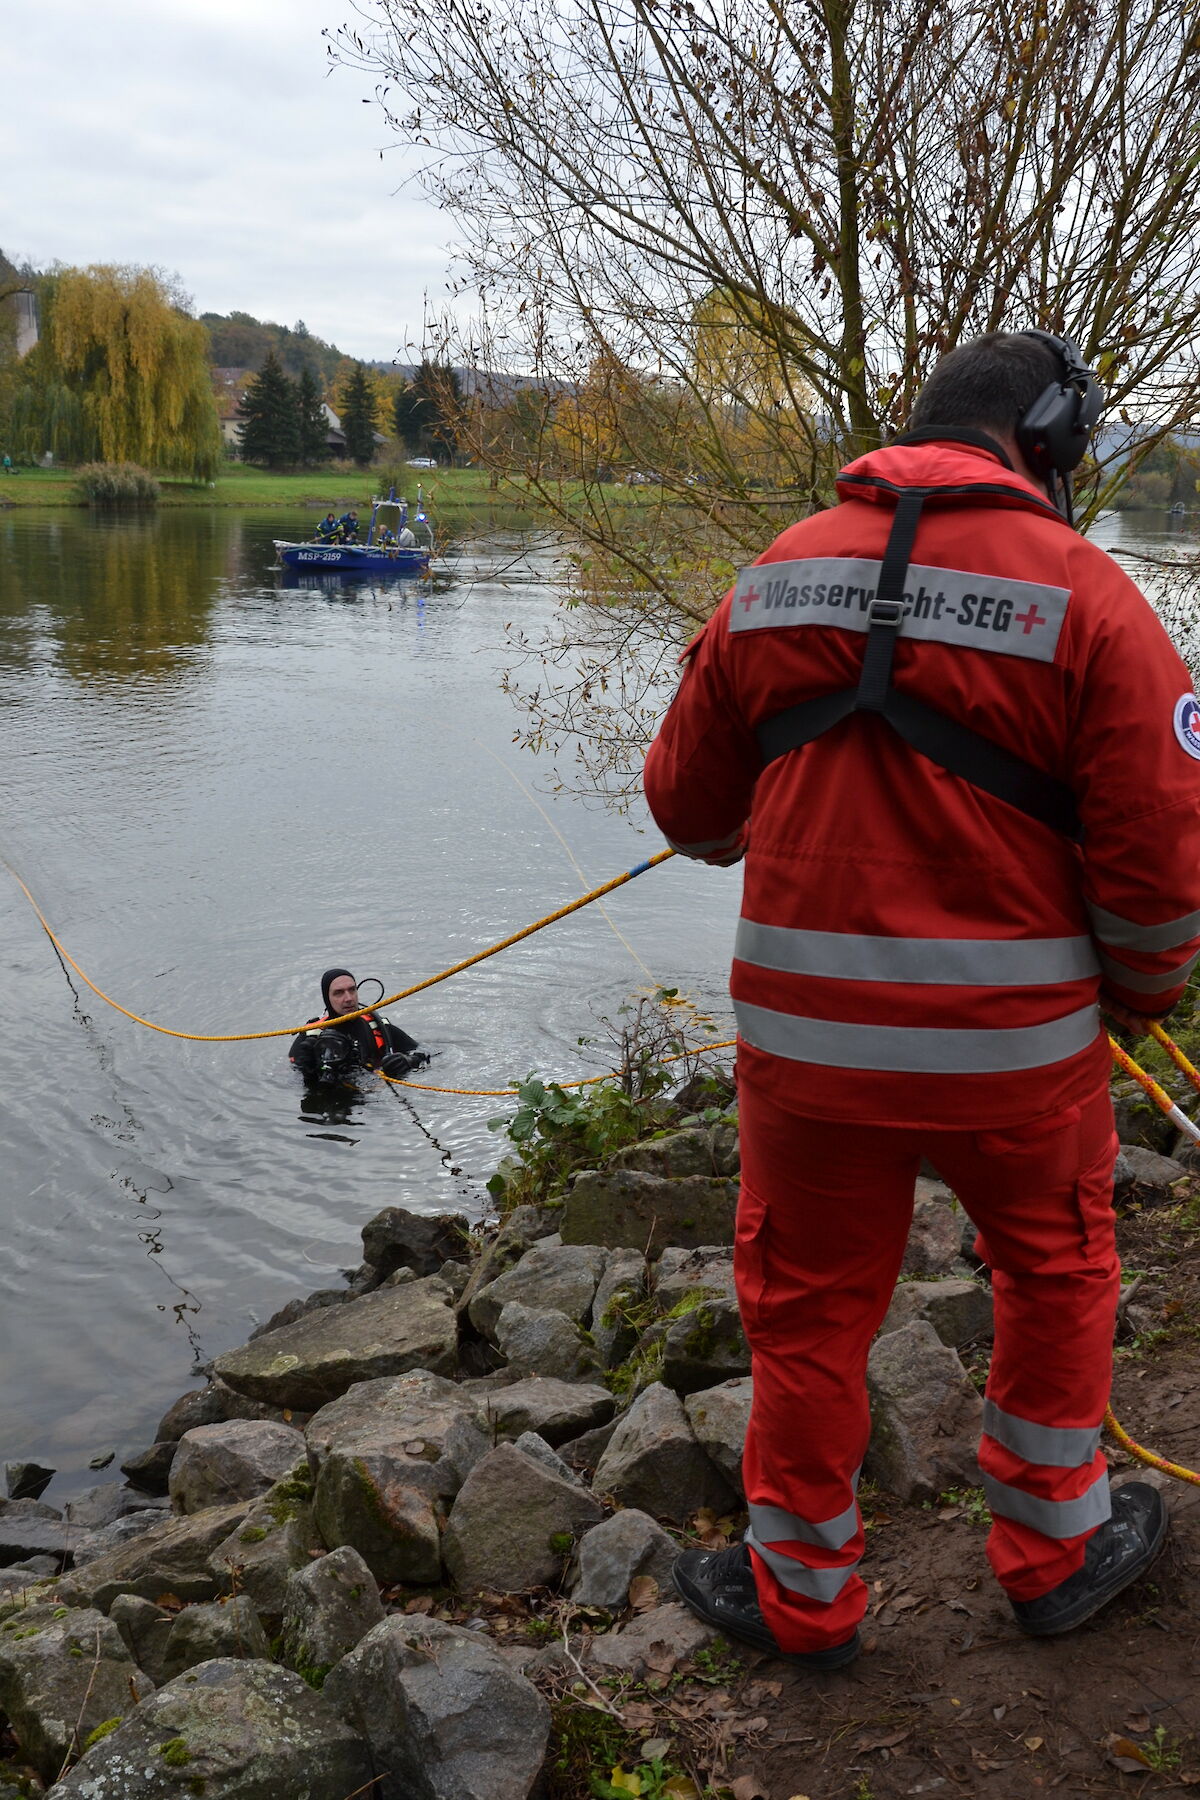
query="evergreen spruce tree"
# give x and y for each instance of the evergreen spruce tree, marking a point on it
(427, 411)
(358, 416)
(268, 411)
(312, 425)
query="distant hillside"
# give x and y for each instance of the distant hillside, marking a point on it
(242, 342)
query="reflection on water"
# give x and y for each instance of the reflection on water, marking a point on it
(218, 786)
(121, 595)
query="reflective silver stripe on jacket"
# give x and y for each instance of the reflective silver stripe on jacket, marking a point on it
(1055, 1446)
(913, 1050)
(1054, 1518)
(942, 962)
(1147, 984)
(945, 606)
(815, 1584)
(771, 1525)
(1126, 934)
(707, 848)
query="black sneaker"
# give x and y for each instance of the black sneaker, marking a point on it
(719, 1585)
(1122, 1549)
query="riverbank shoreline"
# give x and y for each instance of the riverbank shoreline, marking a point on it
(481, 1458)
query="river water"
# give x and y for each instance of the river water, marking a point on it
(216, 786)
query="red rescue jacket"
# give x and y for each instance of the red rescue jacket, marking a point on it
(911, 949)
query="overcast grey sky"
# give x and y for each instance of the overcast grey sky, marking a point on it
(207, 136)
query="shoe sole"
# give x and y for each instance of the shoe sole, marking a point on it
(1090, 1606)
(836, 1657)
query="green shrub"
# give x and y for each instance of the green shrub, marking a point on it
(117, 484)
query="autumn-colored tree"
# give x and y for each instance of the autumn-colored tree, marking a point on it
(854, 185)
(119, 374)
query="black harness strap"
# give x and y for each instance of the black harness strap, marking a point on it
(933, 734)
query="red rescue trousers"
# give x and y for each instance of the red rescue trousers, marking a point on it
(822, 1224)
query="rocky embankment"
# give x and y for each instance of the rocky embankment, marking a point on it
(412, 1520)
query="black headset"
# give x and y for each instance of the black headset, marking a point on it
(1052, 434)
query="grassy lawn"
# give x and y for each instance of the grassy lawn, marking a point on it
(239, 485)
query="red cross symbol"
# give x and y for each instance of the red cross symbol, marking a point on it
(1031, 618)
(749, 597)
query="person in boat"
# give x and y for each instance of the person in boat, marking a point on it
(387, 539)
(348, 527)
(327, 530)
(371, 1042)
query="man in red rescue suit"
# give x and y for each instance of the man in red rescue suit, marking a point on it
(962, 761)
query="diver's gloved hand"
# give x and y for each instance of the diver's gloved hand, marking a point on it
(419, 1059)
(397, 1064)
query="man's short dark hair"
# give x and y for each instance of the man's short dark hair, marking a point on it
(988, 382)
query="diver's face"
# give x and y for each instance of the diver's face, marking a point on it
(343, 995)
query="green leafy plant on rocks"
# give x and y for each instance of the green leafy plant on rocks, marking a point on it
(554, 1131)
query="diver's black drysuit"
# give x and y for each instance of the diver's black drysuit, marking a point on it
(371, 1042)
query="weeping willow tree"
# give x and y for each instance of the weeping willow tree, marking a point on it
(120, 374)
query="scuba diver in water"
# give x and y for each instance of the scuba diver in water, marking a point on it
(370, 1042)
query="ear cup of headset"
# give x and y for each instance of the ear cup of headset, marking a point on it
(1052, 435)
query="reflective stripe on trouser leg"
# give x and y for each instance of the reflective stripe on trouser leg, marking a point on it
(822, 1223)
(1041, 1195)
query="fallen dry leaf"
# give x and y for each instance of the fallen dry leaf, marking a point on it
(883, 1741)
(661, 1659)
(1124, 1754)
(1033, 1743)
(745, 1787)
(902, 1602)
(1137, 1721)
(959, 1606)
(998, 1712)
(420, 1603)
(643, 1593)
(986, 1763)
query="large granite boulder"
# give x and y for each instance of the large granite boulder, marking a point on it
(227, 1730)
(556, 1410)
(626, 1209)
(145, 1629)
(398, 1239)
(619, 1306)
(549, 1277)
(63, 1672)
(276, 1536)
(389, 1332)
(925, 1415)
(236, 1460)
(524, 1227)
(329, 1608)
(705, 1345)
(959, 1311)
(707, 1270)
(170, 1558)
(446, 1716)
(676, 1153)
(719, 1416)
(514, 1524)
(535, 1341)
(390, 1455)
(935, 1236)
(653, 1462)
(31, 1528)
(199, 1634)
(615, 1551)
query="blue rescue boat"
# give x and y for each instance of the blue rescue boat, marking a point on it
(407, 553)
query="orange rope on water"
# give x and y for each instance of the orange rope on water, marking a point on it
(245, 1037)
(586, 1081)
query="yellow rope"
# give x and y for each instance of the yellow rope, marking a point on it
(243, 1037)
(586, 1081)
